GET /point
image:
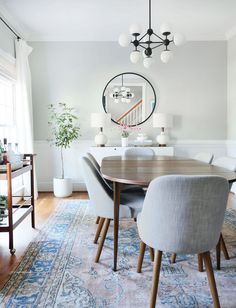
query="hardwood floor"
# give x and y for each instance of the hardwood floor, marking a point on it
(24, 234)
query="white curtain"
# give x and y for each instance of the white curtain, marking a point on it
(23, 106)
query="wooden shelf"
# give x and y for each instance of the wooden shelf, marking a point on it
(15, 173)
(18, 216)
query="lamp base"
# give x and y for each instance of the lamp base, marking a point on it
(162, 139)
(100, 139)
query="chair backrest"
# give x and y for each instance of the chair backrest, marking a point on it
(204, 157)
(135, 152)
(97, 167)
(100, 194)
(225, 162)
(183, 214)
(93, 161)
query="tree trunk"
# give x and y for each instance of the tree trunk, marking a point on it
(62, 165)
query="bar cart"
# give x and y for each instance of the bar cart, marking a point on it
(16, 213)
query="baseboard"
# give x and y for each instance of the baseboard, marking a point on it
(48, 186)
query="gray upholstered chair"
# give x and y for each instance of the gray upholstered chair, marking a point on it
(101, 197)
(139, 152)
(183, 214)
(127, 188)
(93, 161)
(204, 157)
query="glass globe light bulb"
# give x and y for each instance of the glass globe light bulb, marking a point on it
(124, 40)
(165, 27)
(116, 101)
(147, 62)
(127, 100)
(135, 28)
(135, 56)
(166, 56)
(179, 39)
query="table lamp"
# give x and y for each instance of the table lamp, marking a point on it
(163, 121)
(100, 120)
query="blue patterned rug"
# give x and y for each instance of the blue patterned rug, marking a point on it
(58, 269)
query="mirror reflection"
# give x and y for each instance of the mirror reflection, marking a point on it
(129, 98)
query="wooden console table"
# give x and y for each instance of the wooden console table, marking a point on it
(18, 212)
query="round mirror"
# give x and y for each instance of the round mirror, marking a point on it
(130, 99)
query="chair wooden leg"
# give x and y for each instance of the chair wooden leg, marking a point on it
(99, 229)
(102, 240)
(200, 262)
(173, 258)
(211, 279)
(152, 253)
(218, 251)
(141, 255)
(223, 246)
(155, 278)
(97, 220)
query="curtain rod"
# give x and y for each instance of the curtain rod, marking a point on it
(18, 37)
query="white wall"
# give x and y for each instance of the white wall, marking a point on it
(193, 86)
(231, 108)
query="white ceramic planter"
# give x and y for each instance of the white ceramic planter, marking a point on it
(62, 187)
(124, 142)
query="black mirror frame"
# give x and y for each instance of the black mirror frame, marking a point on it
(103, 96)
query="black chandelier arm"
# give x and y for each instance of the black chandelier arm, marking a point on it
(142, 46)
(143, 37)
(151, 42)
(158, 46)
(158, 36)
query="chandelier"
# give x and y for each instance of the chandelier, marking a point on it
(124, 94)
(149, 41)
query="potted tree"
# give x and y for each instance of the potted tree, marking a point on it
(64, 126)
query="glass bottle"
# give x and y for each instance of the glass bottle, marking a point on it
(1, 152)
(10, 153)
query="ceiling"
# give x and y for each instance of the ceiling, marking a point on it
(104, 20)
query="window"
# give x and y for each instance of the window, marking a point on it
(7, 104)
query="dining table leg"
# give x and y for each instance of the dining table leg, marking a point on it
(116, 198)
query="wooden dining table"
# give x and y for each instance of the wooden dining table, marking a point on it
(142, 170)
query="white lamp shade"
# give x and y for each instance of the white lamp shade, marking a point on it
(135, 56)
(162, 120)
(100, 119)
(166, 56)
(135, 28)
(147, 62)
(179, 39)
(124, 40)
(165, 27)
